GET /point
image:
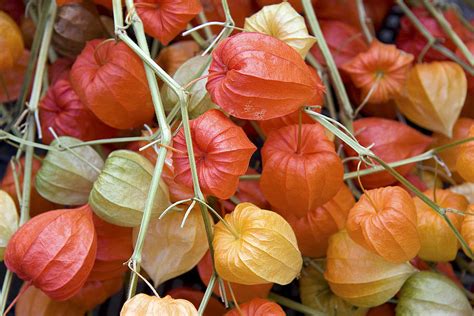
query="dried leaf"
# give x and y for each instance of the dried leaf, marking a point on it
(270, 253)
(8, 220)
(66, 179)
(284, 23)
(199, 100)
(171, 250)
(434, 95)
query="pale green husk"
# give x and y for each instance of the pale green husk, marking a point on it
(66, 179)
(429, 293)
(120, 192)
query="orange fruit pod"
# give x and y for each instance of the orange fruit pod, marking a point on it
(143, 305)
(467, 228)
(297, 180)
(172, 57)
(62, 110)
(359, 276)
(460, 131)
(259, 261)
(164, 20)
(465, 160)
(33, 302)
(214, 12)
(257, 307)
(109, 78)
(384, 221)
(13, 78)
(258, 77)
(222, 152)
(438, 241)
(290, 119)
(38, 204)
(96, 292)
(391, 141)
(380, 72)
(242, 293)
(11, 42)
(314, 230)
(54, 251)
(213, 308)
(114, 247)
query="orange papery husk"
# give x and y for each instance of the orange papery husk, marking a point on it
(465, 159)
(258, 77)
(380, 71)
(172, 57)
(54, 251)
(96, 292)
(165, 19)
(213, 308)
(314, 230)
(222, 152)
(298, 182)
(391, 141)
(384, 221)
(257, 307)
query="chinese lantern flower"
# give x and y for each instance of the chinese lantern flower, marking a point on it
(114, 247)
(316, 293)
(438, 241)
(391, 141)
(258, 261)
(380, 72)
(13, 78)
(427, 293)
(257, 307)
(54, 251)
(164, 19)
(467, 228)
(38, 204)
(110, 80)
(314, 230)
(173, 56)
(433, 96)
(361, 277)
(8, 220)
(465, 160)
(297, 180)
(66, 179)
(284, 23)
(460, 131)
(143, 305)
(11, 42)
(119, 194)
(290, 119)
(222, 152)
(33, 302)
(62, 110)
(384, 222)
(171, 250)
(258, 77)
(242, 293)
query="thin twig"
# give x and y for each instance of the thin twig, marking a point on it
(364, 20)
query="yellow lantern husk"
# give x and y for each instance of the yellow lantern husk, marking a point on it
(144, 305)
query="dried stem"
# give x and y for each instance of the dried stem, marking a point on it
(448, 30)
(335, 76)
(364, 20)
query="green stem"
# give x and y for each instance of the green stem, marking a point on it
(165, 138)
(448, 30)
(250, 177)
(30, 136)
(197, 38)
(207, 294)
(335, 76)
(363, 20)
(294, 305)
(432, 41)
(207, 30)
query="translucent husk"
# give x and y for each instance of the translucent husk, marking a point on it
(119, 193)
(8, 220)
(66, 177)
